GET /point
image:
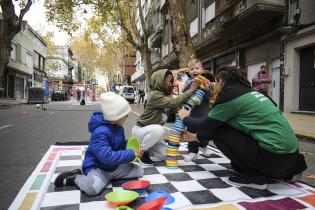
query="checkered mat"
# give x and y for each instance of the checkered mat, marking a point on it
(200, 184)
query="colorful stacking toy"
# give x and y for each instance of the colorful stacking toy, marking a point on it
(198, 95)
(176, 133)
(174, 137)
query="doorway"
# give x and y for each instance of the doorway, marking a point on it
(11, 85)
(307, 79)
(275, 65)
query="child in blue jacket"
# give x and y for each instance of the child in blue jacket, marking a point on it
(106, 157)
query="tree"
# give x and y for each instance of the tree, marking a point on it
(113, 13)
(51, 65)
(182, 42)
(86, 52)
(10, 25)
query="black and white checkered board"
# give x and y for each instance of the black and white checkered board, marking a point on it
(202, 181)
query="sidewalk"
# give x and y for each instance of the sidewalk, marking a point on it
(11, 102)
(303, 124)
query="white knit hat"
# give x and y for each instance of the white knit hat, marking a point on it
(114, 107)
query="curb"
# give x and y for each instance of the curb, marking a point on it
(305, 136)
(4, 105)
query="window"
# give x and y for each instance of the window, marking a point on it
(210, 12)
(41, 62)
(128, 90)
(193, 27)
(36, 60)
(13, 52)
(29, 60)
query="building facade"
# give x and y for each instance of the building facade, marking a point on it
(244, 33)
(26, 67)
(138, 77)
(129, 68)
(59, 68)
(299, 94)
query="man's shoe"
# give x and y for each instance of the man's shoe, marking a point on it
(146, 160)
(191, 156)
(205, 151)
(67, 178)
(258, 183)
(236, 169)
(294, 178)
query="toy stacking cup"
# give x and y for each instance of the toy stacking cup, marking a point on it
(198, 95)
(174, 137)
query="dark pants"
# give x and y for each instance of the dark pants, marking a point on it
(141, 98)
(254, 161)
(193, 146)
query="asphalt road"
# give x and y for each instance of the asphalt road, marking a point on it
(27, 132)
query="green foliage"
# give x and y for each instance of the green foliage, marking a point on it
(61, 13)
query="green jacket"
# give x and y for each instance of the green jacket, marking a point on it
(158, 100)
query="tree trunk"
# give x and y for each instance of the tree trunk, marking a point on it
(10, 25)
(5, 50)
(182, 42)
(147, 65)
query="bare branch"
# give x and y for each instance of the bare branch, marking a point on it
(141, 18)
(133, 23)
(25, 9)
(149, 25)
(122, 24)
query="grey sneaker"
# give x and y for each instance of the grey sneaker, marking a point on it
(205, 151)
(190, 156)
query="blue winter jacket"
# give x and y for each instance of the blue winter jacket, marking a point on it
(107, 148)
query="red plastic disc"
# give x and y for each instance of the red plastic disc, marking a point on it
(155, 204)
(136, 185)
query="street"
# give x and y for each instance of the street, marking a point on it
(27, 132)
(30, 134)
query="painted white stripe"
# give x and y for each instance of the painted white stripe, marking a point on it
(52, 113)
(5, 126)
(136, 113)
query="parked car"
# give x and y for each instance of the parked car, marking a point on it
(128, 93)
(58, 95)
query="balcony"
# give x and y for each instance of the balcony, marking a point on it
(157, 37)
(240, 17)
(156, 60)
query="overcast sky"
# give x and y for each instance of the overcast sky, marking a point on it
(36, 18)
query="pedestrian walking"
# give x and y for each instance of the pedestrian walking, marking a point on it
(106, 157)
(78, 95)
(141, 96)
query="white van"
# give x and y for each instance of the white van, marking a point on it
(128, 93)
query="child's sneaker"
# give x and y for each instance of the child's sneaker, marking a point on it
(258, 183)
(67, 178)
(205, 151)
(146, 160)
(191, 156)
